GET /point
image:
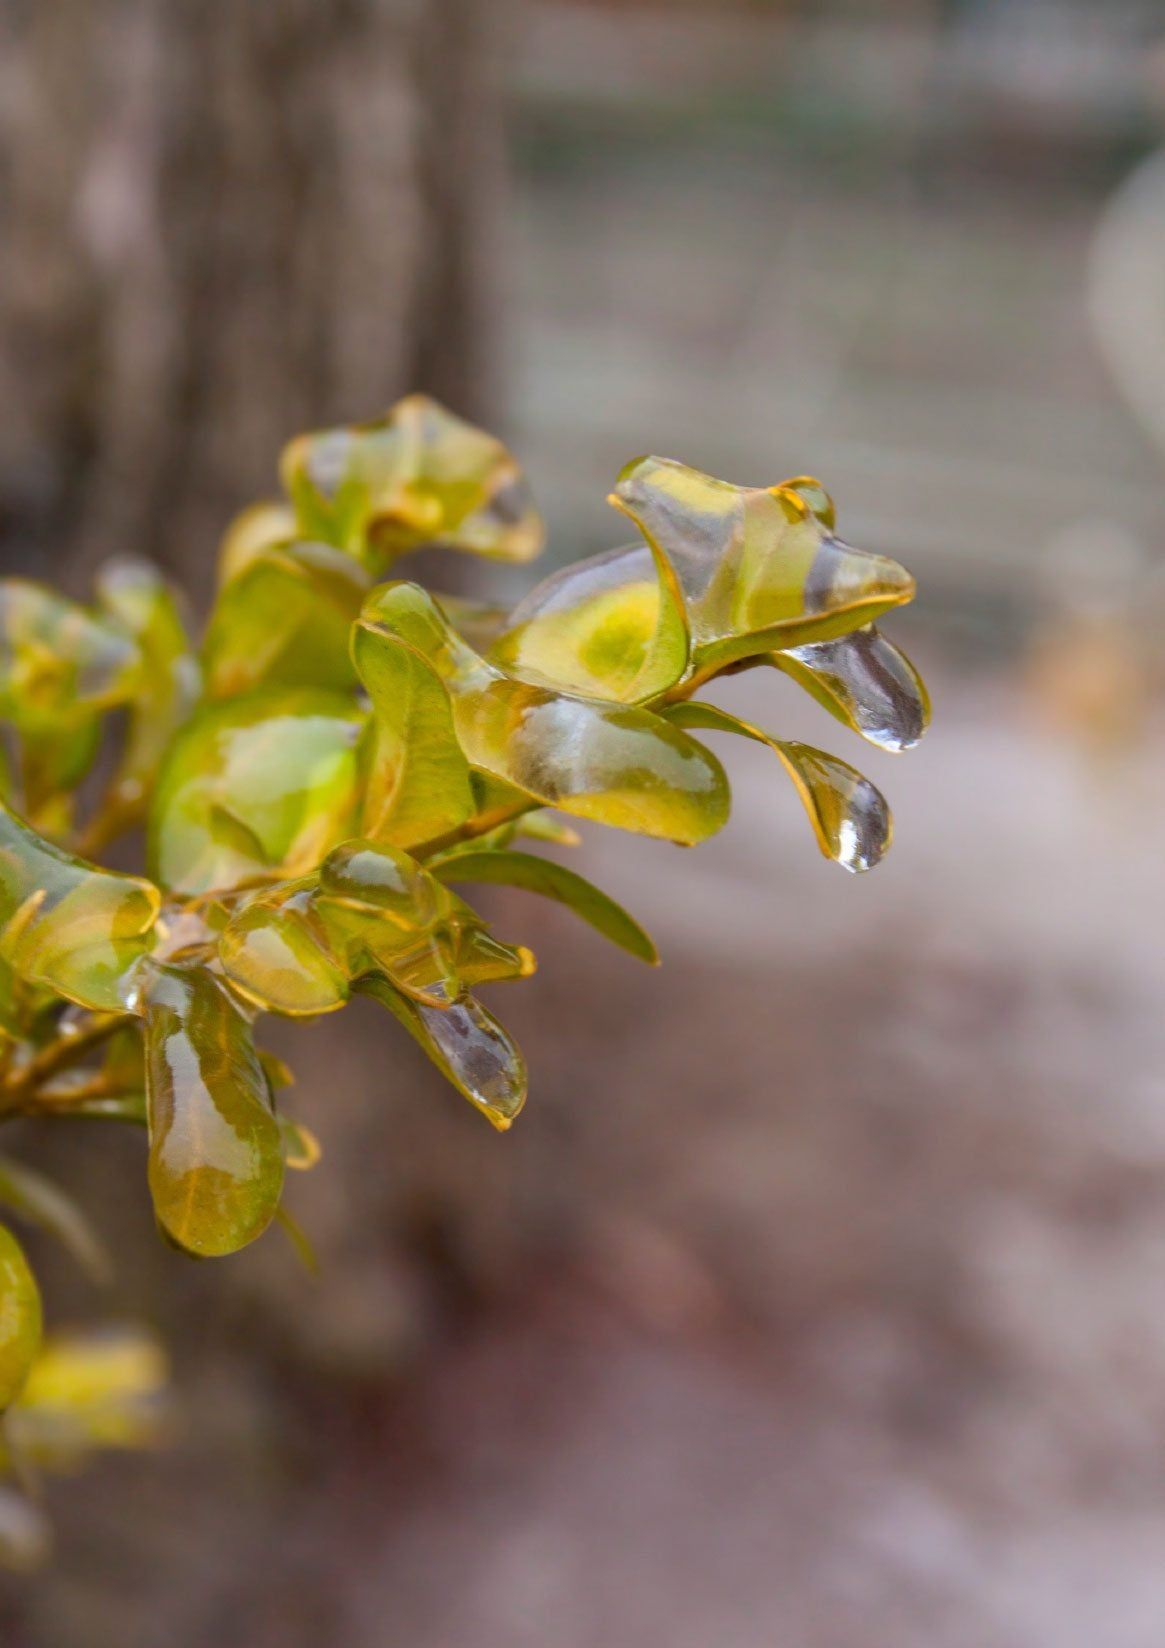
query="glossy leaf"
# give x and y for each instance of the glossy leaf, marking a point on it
(20, 1318)
(468, 1046)
(612, 626)
(866, 682)
(67, 925)
(252, 531)
(61, 667)
(618, 765)
(417, 780)
(284, 620)
(551, 880)
(371, 909)
(55, 656)
(850, 817)
(255, 789)
(757, 567)
(417, 476)
(216, 1153)
(139, 601)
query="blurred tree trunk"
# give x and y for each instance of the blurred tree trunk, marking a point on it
(224, 221)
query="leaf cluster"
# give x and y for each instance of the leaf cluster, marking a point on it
(344, 750)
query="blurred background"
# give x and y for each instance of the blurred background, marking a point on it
(819, 1297)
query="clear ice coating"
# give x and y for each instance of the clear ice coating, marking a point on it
(866, 682)
(341, 752)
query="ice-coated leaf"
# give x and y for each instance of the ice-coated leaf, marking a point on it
(259, 787)
(370, 909)
(68, 925)
(61, 668)
(757, 566)
(416, 778)
(612, 627)
(55, 656)
(866, 682)
(417, 476)
(279, 953)
(216, 1153)
(88, 1390)
(32, 1196)
(20, 1318)
(616, 764)
(140, 602)
(810, 489)
(850, 817)
(253, 530)
(284, 620)
(543, 875)
(468, 1046)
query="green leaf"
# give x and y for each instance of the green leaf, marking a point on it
(258, 788)
(370, 909)
(278, 953)
(543, 875)
(758, 567)
(850, 817)
(284, 620)
(417, 476)
(616, 764)
(31, 1196)
(138, 600)
(252, 531)
(216, 1153)
(864, 681)
(468, 1046)
(68, 925)
(61, 668)
(417, 783)
(20, 1318)
(612, 627)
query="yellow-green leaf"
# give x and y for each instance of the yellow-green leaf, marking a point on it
(757, 566)
(20, 1318)
(89, 1390)
(468, 1046)
(139, 601)
(370, 909)
(284, 620)
(417, 476)
(68, 925)
(416, 778)
(866, 682)
(616, 764)
(612, 626)
(216, 1154)
(258, 788)
(543, 875)
(850, 817)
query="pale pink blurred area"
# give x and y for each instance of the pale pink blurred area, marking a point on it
(818, 1298)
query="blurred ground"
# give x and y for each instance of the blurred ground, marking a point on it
(816, 1301)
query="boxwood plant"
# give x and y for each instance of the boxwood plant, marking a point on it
(344, 752)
